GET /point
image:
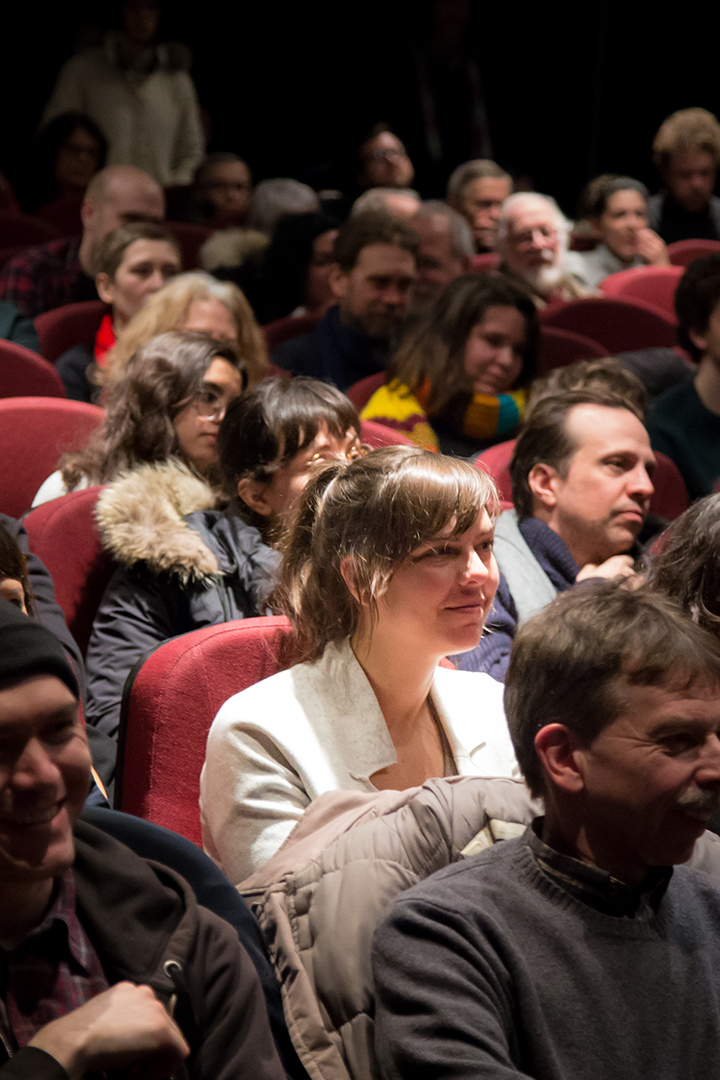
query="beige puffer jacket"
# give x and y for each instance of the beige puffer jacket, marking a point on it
(321, 896)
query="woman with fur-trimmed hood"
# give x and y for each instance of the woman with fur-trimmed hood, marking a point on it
(191, 557)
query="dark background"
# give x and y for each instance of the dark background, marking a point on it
(569, 91)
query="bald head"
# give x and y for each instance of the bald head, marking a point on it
(116, 196)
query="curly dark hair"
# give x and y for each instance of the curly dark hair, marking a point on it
(142, 402)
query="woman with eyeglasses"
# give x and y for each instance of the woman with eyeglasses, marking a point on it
(195, 556)
(166, 403)
(388, 568)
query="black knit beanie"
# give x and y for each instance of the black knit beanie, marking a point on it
(27, 648)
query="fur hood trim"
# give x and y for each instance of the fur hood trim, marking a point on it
(140, 517)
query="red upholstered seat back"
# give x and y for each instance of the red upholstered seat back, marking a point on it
(653, 286)
(682, 252)
(376, 435)
(34, 433)
(496, 461)
(616, 324)
(25, 374)
(361, 391)
(21, 229)
(289, 327)
(559, 348)
(170, 704)
(64, 327)
(64, 535)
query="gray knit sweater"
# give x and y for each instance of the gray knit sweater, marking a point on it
(490, 970)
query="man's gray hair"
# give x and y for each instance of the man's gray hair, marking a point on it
(461, 235)
(273, 199)
(375, 200)
(529, 200)
(479, 169)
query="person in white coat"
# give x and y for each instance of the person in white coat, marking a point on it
(389, 567)
(141, 96)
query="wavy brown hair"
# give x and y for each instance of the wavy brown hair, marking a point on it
(142, 402)
(435, 347)
(374, 512)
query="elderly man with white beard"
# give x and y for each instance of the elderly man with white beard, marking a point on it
(532, 242)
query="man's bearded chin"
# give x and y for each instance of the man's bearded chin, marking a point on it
(543, 279)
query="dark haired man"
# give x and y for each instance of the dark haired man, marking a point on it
(581, 485)
(576, 949)
(685, 420)
(686, 151)
(108, 963)
(375, 267)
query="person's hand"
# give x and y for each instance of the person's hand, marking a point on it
(615, 567)
(124, 1027)
(652, 248)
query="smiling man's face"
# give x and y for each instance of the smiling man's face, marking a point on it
(44, 778)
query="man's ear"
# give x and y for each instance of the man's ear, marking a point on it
(561, 756)
(338, 282)
(698, 340)
(254, 494)
(542, 480)
(86, 212)
(103, 284)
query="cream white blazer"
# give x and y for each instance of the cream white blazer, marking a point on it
(318, 727)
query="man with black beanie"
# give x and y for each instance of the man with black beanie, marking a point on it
(106, 961)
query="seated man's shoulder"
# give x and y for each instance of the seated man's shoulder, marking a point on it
(54, 252)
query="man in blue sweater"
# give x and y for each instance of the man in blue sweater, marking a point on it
(577, 950)
(581, 479)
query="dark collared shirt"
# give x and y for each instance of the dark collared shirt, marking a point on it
(54, 970)
(595, 887)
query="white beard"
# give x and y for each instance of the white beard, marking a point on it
(544, 278)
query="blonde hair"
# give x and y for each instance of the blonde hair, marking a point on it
(168, 309)
(372, 512)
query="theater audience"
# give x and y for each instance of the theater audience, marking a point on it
(583, 947)
(191, 557)
(110, 963)
(686, 151)
(532, 243)
(63, 271)
(374, 269)
(197, 302)
(388, 567)
(383, 160)
(581, 475)
(477, 190)
(616, 208)
(139, 92)
(167, 401)
(685, 420)
(446, 250)
(67, 153)
(133, 262)
(457, 383)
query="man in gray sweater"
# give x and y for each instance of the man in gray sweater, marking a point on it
(577, 950)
